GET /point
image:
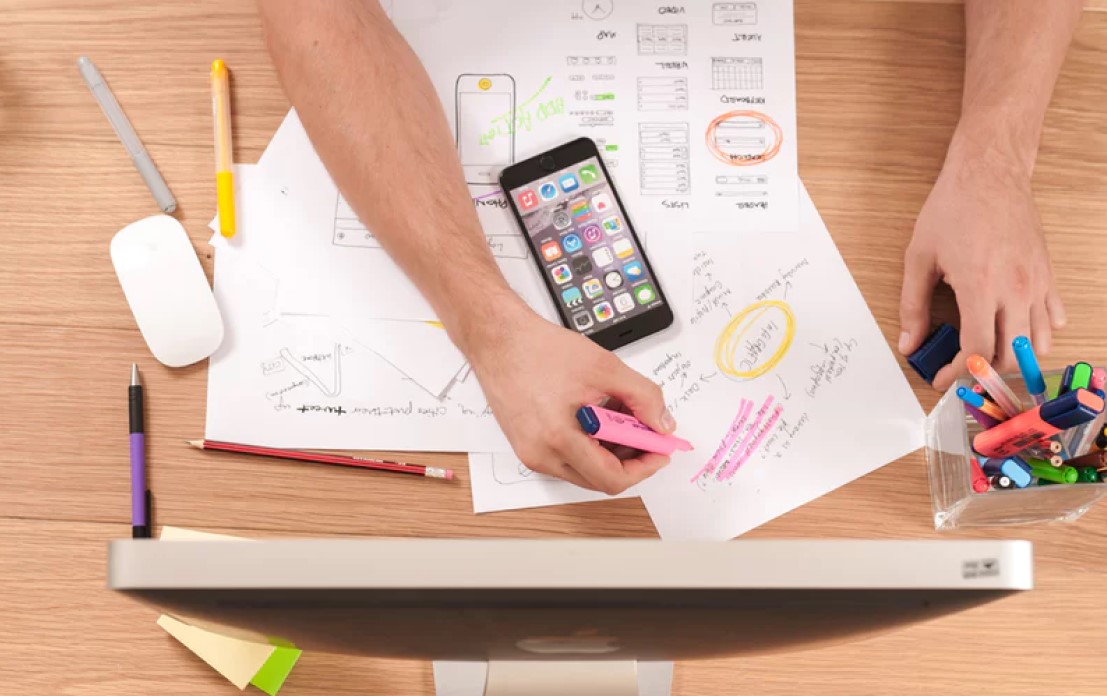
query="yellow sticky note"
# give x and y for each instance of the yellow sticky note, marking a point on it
(242, 657)
(236, 659)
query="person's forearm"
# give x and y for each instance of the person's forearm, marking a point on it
(1014, 52)
(377, 124)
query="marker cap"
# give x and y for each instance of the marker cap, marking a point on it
(1028, 365)
(1071, 409)
(937, 351)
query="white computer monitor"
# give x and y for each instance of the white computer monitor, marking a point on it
(540, 609)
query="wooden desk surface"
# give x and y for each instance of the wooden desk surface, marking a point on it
(879, 86)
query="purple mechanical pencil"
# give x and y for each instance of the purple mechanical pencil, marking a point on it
(141, 524)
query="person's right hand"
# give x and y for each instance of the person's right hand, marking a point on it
(536, 375)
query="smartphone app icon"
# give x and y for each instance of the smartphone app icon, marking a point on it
(582, 265)
(603, 311)
(613, 224)
(547, 191)
(561, 220)
(572, 297)
(624, 303)
(571, 243)
(601, 203)
(645, 293)
(561, 274)
(551, 251)
(528, 200)
(580, 209)
(582, 321)
(592, 288)
(589, 174)
(633, 271)
(592, 233)
(623, 248)
(568, 183)
(613, 280)
(603, 257)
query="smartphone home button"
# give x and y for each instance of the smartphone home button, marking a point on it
(547, 163)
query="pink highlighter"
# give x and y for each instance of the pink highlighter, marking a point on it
(621, 429)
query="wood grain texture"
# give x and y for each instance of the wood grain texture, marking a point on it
(879, 89)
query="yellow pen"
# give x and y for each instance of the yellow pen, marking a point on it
(221, 113)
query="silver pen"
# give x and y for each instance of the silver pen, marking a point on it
(126, 134)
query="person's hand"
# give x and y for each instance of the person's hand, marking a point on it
(979, 231)
(536, 375)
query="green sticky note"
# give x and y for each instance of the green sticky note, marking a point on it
(270, 678)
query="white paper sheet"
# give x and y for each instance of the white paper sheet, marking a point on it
(693, 105)
(501, 482)
(796, 391)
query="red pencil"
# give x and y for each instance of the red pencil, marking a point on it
(318, 458)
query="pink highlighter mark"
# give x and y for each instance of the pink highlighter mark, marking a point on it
(753, 432)
(732, 434)
(757, 441)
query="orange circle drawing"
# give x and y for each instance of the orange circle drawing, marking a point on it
(735, 160)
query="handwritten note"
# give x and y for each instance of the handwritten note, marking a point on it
(794, 390)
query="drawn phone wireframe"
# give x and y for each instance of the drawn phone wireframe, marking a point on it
(485, 125)
(734, 13)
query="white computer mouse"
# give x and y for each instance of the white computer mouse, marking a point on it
(167, 290)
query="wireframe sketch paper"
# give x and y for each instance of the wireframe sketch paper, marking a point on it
(796, 390)
(501, 482)
(693, 105)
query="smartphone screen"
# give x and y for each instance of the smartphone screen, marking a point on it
(591, 258)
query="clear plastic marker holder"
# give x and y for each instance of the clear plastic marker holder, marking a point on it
(949, 433)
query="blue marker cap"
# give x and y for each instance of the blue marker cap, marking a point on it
(970, 397)
(1018, 471)
(1028, 365)
(1070, 410)
(936, 352)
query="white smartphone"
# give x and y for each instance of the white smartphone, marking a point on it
(485, 123)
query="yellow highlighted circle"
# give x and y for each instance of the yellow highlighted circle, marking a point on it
(726, 346)
(485, 83)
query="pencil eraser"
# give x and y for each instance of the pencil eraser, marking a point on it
(937, 351)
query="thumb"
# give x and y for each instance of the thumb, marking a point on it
(919, 278)
(644, 398)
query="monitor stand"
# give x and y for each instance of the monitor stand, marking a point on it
(553, 678)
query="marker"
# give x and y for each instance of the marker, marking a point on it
(622, 429)
(1031, 372)
(1061, 474)
(1026, 429)
(1056, 460)
(141, 522)
(221, 114)
(981, 404)
(1087, 474)
(980, 482)
(997, 388)
(1066, 381)
(1002, 483)
(126, 134)
(980, 417)
(1098, 380)
(1013, 468)
(1101, 439)
(1081, 376)
(1095, 459)
(1081, 379)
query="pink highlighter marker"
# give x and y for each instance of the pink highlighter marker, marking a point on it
(622, 429)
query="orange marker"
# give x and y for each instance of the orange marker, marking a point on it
(994, 384)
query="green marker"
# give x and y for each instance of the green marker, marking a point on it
(1081, 376)
(1088, 474)
(1057, 474)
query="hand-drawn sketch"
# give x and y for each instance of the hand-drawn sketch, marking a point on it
(335, 358)
(663, 94)
(348, 230)
(485, 137)
(598, 9)
(735, 74)
(662, 39)
(508, 471)
(755, 339)
(590, 61)
(664, 159)
(744, 138)
(734, 13)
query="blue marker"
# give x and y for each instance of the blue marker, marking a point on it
(1028, 366)
(970, 397)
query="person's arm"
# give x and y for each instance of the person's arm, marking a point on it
(377, 124)
(979, 230)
